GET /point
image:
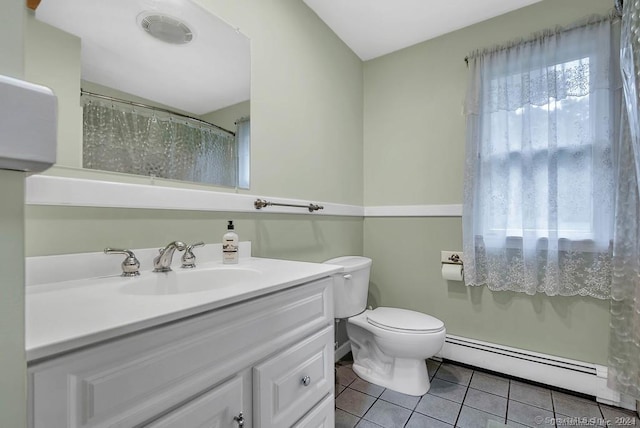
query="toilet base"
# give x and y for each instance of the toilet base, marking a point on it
(404, 375)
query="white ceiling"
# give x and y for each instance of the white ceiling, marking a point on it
(210, 72)
(372, 28)
(213, 71)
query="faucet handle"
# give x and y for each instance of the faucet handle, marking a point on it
(130, 265)
(188, 258)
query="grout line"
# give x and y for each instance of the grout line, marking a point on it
(455, 424)
(436, 370)
(533, 405)
(405, 424)
(599, 408)
(348, 412)
(416, 405)
(506, 415)
(488, 392)
(553, 409)
(369, 408)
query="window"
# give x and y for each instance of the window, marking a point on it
(544, 147)
(538, 210)
(243, 142)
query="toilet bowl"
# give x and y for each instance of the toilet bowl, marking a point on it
(393, 354)
(389, 345)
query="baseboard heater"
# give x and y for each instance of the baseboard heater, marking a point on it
(572, 375)
(527, 356)
(585, 378)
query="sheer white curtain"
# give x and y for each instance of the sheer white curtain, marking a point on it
(624, 342)
(538, 193)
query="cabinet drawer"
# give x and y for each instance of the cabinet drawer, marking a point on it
(290, 384)
(128, 381)
(322, 416)
(215, 408)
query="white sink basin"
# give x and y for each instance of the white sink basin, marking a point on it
(68, 314)
(190, 281)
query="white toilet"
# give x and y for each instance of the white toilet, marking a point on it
(389, 345)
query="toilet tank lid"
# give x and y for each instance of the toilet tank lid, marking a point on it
(404, 319)
(351, 263)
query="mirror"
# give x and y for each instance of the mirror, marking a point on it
(170, 55)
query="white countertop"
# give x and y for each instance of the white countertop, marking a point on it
(66, 315)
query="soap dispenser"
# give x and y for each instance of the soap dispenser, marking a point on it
(230, 245)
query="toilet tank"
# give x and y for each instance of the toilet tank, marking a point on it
(351, 286)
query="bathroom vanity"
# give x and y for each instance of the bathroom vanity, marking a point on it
(258, 353)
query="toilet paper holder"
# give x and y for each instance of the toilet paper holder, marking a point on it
(452, 265)
(451, 257)
(455, 258)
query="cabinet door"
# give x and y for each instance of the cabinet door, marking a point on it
(288, 385)
(322, 416)
(216, 408)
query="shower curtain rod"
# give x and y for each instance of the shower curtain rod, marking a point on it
(131, 103)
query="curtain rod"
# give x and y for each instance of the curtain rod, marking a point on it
(614, 14)
(164, 110)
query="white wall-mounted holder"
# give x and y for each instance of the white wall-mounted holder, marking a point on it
(28, 126)
(454, 257)
(452, 269)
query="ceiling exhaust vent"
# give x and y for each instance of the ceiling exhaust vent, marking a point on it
(165, 28)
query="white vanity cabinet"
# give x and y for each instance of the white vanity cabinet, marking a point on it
(269, 358)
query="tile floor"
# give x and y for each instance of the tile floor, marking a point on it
(467, 398)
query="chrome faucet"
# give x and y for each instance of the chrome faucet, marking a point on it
(162, 262)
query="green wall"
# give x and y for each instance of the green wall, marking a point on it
(226, 117)
(52, 58)
(306, 119)
(12, 38)
(12, 348)
(414, 136)
(13, 377)
(414, 127)
(406, 273)
(306, 102)
(58, 230)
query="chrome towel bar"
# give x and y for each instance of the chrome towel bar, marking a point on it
(261, 203)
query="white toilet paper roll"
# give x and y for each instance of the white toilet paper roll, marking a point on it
(452, 272)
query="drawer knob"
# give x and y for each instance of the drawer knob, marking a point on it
(239, 419)
(306, 381)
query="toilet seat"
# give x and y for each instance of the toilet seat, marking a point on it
(404, 321)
